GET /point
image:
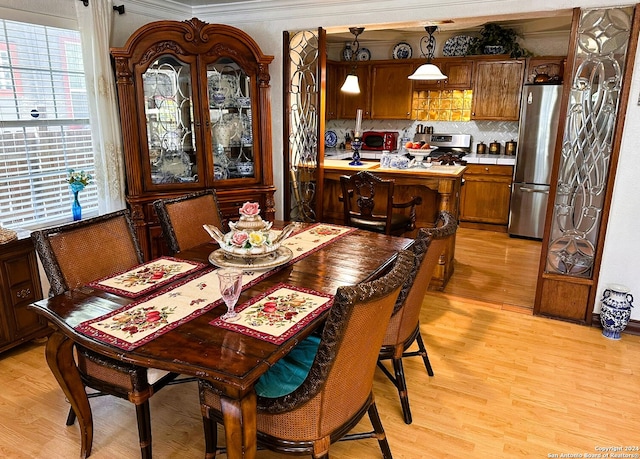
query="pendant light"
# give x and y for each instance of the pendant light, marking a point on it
(428, 71)
(351, 85)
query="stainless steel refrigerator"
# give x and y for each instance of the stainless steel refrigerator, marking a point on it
(534, 159)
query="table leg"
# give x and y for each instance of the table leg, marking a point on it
(239, 417)
(59, 353)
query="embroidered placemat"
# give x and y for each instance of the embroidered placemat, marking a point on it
(145, 319)
(314, 238)
(278, 314)
(146, 277)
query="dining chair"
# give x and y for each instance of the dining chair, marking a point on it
(368, 202)
(403, 329)
(337, 389)
(75, 254)
(182, 218)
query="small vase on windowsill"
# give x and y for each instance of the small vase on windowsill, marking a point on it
(76, 208)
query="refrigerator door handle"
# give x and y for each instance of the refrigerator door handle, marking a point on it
(532, 190)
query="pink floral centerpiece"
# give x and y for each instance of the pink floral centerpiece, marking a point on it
(250, 236)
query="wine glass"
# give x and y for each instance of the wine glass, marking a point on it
(230, 288)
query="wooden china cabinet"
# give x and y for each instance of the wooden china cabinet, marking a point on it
(195, 110)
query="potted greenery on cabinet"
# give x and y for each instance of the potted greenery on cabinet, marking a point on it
(495, 39)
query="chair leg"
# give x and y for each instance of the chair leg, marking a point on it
(423, 353)
(210, 437)
(401, 384)
(71, 417)
(374, 417)
(144, 429)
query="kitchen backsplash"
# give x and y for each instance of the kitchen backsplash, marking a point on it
(454, 105)
(485, 131)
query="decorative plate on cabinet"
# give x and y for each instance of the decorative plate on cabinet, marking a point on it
(330, 139)
(457, 46)
(363, 54)
(402, 50)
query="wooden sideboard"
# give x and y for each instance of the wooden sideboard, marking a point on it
(19, 286)
(438, 186)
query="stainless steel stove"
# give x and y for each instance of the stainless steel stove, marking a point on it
(455, 145)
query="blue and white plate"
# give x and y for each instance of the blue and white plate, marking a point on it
(363, 54)
(402, 50)
(330, 139)
(457, 46)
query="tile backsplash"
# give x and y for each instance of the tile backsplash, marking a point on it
(480, 131)
(454, 105)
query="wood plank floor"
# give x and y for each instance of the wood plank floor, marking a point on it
(506, 385)
(495, 268)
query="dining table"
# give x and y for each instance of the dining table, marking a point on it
(231, 360)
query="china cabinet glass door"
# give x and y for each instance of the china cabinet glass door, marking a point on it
(168, 106)
(230, 113)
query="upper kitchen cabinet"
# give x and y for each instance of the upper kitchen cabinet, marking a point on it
(497, 87)
(391, 91)
(349, 103)
(545, 69)
(385, 90)
(459, 74)
(195, 111)
(331, 93)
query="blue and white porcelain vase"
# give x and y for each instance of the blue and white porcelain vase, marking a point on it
(615, 310)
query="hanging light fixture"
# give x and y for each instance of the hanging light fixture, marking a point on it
(428, 71)
(351, 82)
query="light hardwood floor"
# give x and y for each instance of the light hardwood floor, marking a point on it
(496, 268)
(506, 385)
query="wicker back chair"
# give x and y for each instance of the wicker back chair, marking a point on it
(337, 391)
(182, 218)
(404, 327)
(369, 205)
(75, 254)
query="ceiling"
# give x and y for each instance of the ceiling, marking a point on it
(530, 23)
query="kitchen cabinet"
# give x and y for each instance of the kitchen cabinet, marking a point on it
(20, 286)
(459, 76)
(485, 196)
(497, 88)
(195, 111)
(552, 66)
(385, 90)
(391, 91)
(331, 90)
(349, 103)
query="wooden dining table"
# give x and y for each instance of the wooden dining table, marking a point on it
(229, 360)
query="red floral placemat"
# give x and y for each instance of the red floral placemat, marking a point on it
(146, 277)
(279, 313)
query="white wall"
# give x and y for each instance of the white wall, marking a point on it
(266, 20)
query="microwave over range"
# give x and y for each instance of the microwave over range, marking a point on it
(379, 140)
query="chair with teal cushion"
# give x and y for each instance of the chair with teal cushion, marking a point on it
(320, 411)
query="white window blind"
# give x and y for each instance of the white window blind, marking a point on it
(44, 125)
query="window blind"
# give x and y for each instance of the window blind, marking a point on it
(44, 125)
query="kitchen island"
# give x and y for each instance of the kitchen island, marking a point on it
(438, 186)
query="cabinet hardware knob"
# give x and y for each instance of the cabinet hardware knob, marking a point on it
(486, 169)
(24, 293)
